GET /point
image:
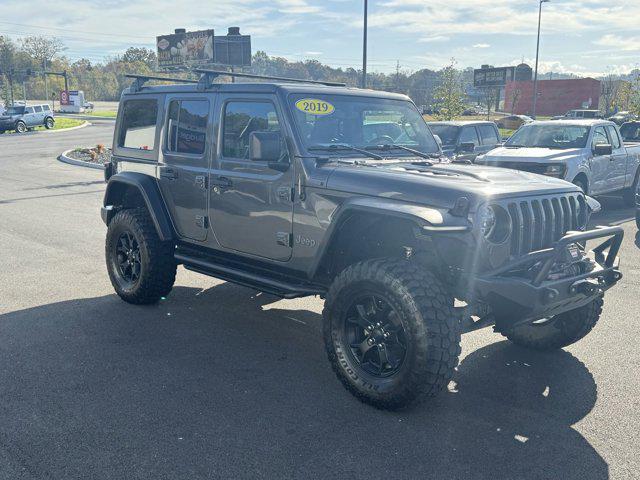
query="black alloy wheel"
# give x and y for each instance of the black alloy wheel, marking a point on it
(375, 335)
(127, 255)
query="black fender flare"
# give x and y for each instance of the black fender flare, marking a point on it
(148, 188)
(427, 219)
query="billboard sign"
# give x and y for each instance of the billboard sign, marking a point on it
(234, 50)
(492, 77)
(185, 49)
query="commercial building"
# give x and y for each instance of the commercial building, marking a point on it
(555, 97)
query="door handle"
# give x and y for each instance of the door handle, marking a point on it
(168, 173)
(223, 182)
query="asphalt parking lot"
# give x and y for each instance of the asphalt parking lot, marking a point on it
(219, 381)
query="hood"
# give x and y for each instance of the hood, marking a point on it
(526, 154)
(439, 185)
(7, 117)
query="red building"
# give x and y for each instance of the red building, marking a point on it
(555, 97)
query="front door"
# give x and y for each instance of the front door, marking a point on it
(184, 169)
(600, 164)
(251, 206)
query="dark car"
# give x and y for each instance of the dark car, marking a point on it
(630, 131)
(622, 117)
(513, 122)
(299, 189)
(466, 139)
(22, 118)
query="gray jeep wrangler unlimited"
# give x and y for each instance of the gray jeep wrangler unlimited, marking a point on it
(298, 189)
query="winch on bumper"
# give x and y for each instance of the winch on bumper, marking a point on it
(551, 281)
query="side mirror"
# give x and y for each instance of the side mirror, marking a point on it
(603, 149)
(265, 146)
(467, 147)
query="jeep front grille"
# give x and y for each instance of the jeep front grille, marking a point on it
(540, 222)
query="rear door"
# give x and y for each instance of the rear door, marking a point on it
(183, 171)
(251, 205)
(38, 116)
(29, 117)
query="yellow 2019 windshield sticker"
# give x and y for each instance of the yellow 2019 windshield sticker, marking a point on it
(313, 106)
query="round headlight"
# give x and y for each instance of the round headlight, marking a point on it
(495, 223)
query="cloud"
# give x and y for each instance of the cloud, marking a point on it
(619, 43)
(480, 45)
(437, 38)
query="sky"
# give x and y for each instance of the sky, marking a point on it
(585, 37)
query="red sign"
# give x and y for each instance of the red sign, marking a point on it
(64, 97)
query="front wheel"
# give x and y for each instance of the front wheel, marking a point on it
(390, 332)
(558, 331)
(49, 123)
(638, 218)
(21, 127)
(141, 267)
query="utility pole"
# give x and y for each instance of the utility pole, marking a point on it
(364, 47)
(535, 76)
(398, 76)
(46, 79)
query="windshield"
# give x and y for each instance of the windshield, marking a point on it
(15, 110)
(362, 122)
(549, 136)
(447, 133)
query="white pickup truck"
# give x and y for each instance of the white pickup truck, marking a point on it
(588, 153)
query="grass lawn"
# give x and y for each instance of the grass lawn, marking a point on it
(103, 113)
(60, 124)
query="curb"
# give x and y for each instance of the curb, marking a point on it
(64, 158)
(84, 124)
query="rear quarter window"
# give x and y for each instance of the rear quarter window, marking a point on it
(38, 109)
(488, 135)
(138, 124)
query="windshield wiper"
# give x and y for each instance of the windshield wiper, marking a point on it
(418, 153)
(345, 146)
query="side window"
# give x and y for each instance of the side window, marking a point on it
(241, 119)
(46, 108)
(599, 137)
(488, 135)
(38, 108)
(28, 110)
(187, 126)
(138, 126)
(469, 135)
(613, 135)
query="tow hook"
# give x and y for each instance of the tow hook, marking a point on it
(587, 287)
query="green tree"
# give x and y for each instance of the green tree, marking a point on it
(449, 94)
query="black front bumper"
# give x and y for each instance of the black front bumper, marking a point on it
(514, 297)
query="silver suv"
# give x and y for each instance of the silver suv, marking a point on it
(26, 117)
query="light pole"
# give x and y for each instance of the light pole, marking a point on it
(535, 75)
(364, 47)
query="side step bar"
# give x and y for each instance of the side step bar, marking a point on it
(259, 282)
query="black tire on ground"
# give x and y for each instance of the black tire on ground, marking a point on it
(141, 267)
(559, 331)
(49, 123)
(629, 194)
(580, 183)
(638, 218)
(420, 320)
(21, 127)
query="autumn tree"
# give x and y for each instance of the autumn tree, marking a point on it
(449, 94)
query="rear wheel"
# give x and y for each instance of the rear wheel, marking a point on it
(390, 332)
(141, 266)
(21, 127)
(558, 331)
(49, 123)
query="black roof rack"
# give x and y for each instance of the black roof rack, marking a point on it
(209, 75)
(140, 80)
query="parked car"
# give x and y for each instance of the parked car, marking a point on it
(588, 153)
(579, 114)
(622, 117)
(466, 139)
(630, 131)
(287, 198)
(513, 122)
(23, 118)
